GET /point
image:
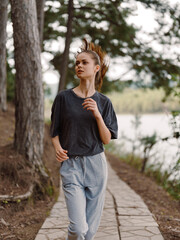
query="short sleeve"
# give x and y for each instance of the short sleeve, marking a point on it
(55, 117)
(110, 120)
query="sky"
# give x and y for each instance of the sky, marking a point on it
(51, 76)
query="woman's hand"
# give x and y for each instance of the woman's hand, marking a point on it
(61, 154)
(90, 104)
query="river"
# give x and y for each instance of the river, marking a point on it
(164, 152)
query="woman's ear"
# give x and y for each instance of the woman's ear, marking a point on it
(97, 68)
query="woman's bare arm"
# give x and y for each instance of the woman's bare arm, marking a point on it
(61, 154)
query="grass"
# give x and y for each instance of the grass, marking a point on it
(142, 101)
(162, 178)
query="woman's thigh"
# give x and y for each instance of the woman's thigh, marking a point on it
(76, 206)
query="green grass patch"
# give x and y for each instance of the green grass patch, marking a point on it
(172, 186)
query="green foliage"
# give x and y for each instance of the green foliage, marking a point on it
(137, 161)
(147, 142)
(105, 23)
(48, 121)
(163, 179)
(50, 190)
(140, 101)
(48, 213)
(88, 18)
(175, 124)
(139, 141)
(47, 90)
(10, 83)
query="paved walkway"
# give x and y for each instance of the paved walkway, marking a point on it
(125, 216)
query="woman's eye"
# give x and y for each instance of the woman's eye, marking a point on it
(84, 63)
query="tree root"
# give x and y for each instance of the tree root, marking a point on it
(18, 197)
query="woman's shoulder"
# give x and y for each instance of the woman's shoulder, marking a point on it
(63, 93)
(103, 98)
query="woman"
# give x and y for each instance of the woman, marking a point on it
(82, 120)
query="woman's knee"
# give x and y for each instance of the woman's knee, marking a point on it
(78, 230)
(91, 233)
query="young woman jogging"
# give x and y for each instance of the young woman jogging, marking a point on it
(82, 120)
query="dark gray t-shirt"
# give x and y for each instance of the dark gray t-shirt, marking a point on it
(77, 127)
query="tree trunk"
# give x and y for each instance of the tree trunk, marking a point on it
(40, 17)
(29, 99)
(65, 58)
(3, 35)
(145, 159)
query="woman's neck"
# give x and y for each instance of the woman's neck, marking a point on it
(85, 89)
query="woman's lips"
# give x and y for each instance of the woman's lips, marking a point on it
(79, 71)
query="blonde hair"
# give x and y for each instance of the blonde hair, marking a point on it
(100, 58)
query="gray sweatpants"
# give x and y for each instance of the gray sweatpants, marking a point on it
(84, 183)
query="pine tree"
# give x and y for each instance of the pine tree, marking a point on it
(40, 16)
(29, 102)
(3, 36)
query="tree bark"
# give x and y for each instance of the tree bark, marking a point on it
(65, 57)
(3, 36)
(29, 99)
(40, 16)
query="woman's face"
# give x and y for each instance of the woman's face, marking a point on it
(85, 67)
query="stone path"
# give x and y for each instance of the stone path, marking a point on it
(125, 216)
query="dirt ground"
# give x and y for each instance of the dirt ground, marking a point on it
(22, 220)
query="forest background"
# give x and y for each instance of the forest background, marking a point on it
(144, 62)
(144, 77)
